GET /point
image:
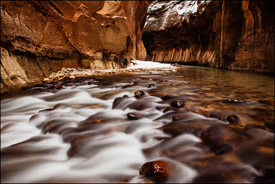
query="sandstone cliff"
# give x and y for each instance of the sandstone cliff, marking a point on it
(40, 37)
(224, 34)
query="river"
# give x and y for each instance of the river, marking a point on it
(206, 125)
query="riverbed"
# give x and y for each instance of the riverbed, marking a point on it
(206, 125)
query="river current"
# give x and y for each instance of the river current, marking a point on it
(208, 125)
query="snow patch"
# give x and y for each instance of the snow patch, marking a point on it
(148, 64)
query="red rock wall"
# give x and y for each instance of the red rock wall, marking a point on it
(39, 37)
(237, 35)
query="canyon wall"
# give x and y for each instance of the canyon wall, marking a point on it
(237, 35)
(41, 37)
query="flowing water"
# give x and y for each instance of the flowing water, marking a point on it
(208, 125)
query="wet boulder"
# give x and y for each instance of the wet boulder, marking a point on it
(233, 119)
(221, 148)
(260, 136)
(225, 172)
(155, 170)
(221, 134)
(151, 86)
(99, 118)
(56, 126)
(177, 103)
(135, 115)
(140, 105)
(118, 101)
(195, 126)
(170, 109)
(251, 152)
(178, 128)
(140, 94)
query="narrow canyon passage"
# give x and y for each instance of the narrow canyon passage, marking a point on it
(99, 92)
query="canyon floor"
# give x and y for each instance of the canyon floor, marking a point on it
(165, 124)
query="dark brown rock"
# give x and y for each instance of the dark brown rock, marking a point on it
(167, 109)
(118, 100)
(233, 119)
(139, 93)
(177, 103)
(178, 128)
(155, 170)
(140, 105)
(134, 115)
(151, 85)
(219, 149)
(221, 134)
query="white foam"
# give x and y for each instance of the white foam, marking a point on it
(17, 133)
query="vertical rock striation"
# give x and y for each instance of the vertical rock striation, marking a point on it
(40, 37)
(236, 35)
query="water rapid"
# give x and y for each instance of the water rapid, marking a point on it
(207, 125)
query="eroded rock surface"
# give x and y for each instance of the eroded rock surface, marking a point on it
(40, 37)
(237, 35)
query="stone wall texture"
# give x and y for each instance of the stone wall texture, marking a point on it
(40, 37)
(237, 35)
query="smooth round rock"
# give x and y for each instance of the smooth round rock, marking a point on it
(177, 103)
(151, 85)
(155, 170)
(139, 93)
(233, 119)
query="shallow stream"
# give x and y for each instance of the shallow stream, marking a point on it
(206, 125)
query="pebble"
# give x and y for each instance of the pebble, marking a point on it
(177, 103)
(151, 85)
(139, 93)
(133, 115)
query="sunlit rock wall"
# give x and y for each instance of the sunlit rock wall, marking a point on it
(40, 37)
(237, 34)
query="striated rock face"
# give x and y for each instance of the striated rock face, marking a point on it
(40, 37)
(236, 35)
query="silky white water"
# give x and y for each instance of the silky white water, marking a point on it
(102, 132)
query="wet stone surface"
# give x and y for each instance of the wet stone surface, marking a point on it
(156, 170)
(190, 125)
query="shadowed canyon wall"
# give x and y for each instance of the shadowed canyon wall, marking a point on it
(41, 37)
(237, 35)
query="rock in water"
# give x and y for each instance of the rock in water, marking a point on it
(233, 119)
(139, 93)
(118, 100)
(219, 149)
(155, 170)
(134, 115)
(177, 103)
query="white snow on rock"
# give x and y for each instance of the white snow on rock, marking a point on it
(148, 64)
